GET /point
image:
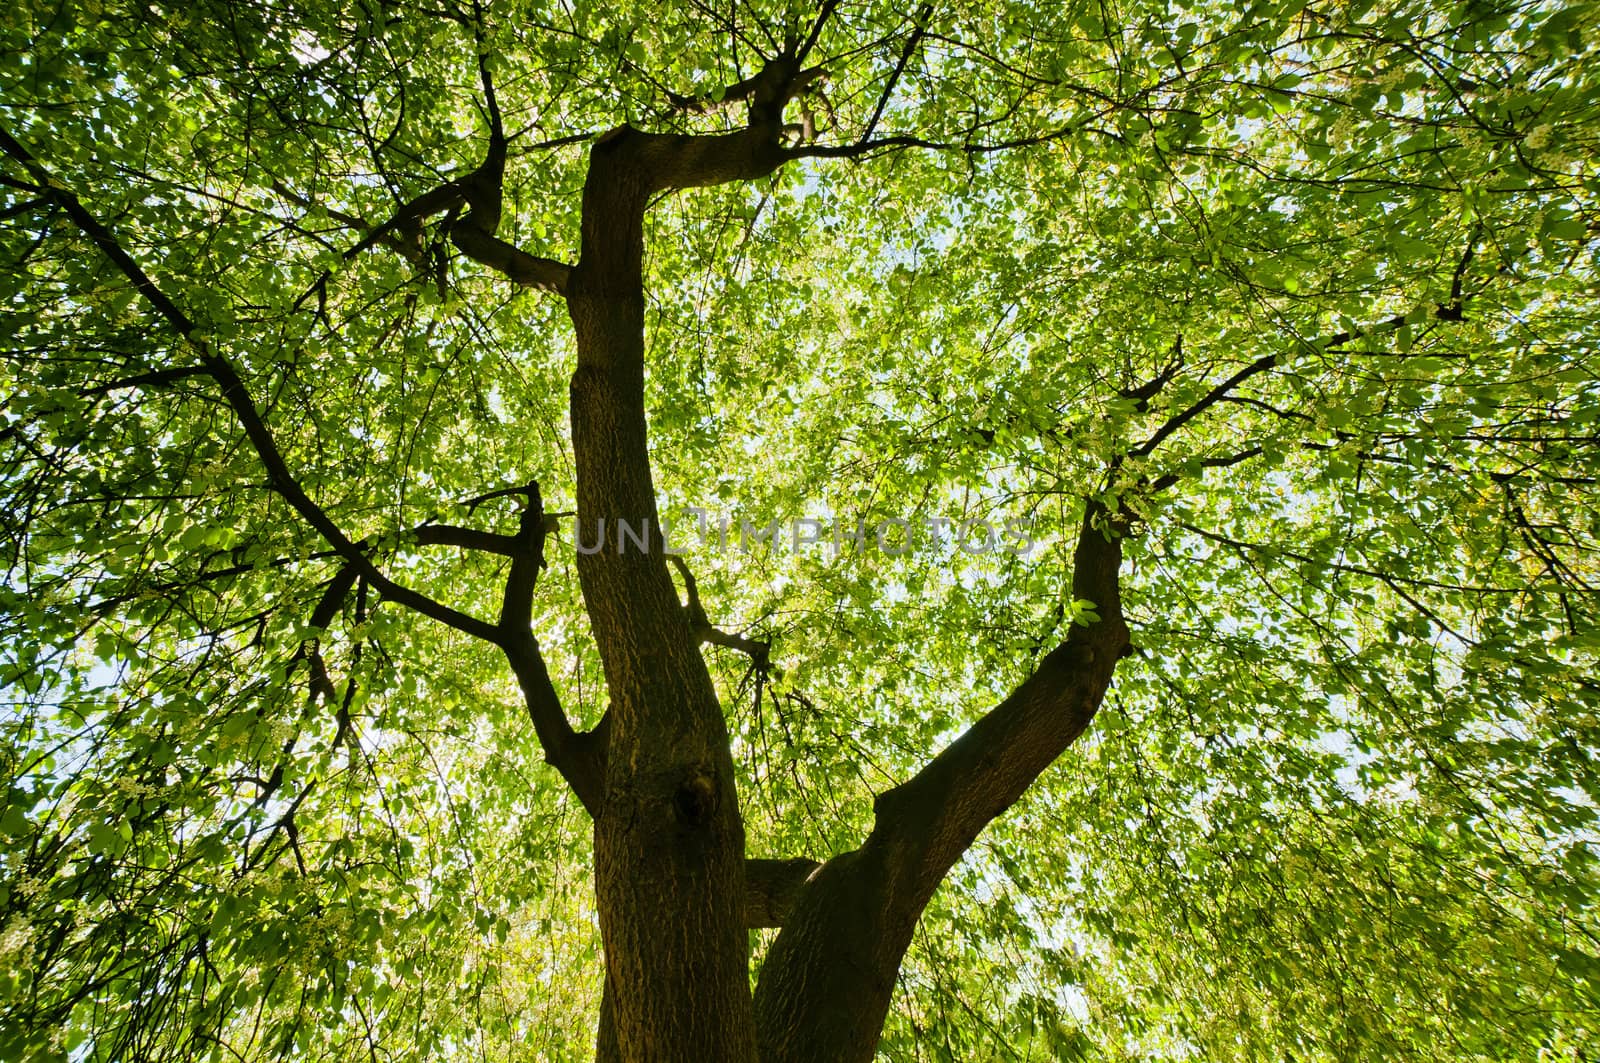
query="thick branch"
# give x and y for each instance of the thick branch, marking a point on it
(579, 758)
(640, 164)
(466, 539)
(668, 162)
(527, 558)
(944, 806)
(827, 980)
(519, 267)
(327, 608)
(157, 378)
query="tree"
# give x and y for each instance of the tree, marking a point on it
(983, 360)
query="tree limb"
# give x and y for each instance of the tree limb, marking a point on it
(827, 980)
(321, 618)
(918, 31)
(527, 558)
(473, 233)
(1451, 311)
(517, 265)
(238, 397)
(759, 651)
(579, 758)
(1211, 398)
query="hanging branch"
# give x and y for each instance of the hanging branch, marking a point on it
(237, 395)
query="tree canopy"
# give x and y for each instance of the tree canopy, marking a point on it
(1135, 470)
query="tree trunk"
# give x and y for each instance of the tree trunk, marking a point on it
(669, 841)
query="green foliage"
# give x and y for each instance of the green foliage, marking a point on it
(1341, 805)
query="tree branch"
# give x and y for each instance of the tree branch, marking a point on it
(527, 558)
(919, 30)
(579, 758)
(1161, 483)
(831, 972)
(465, 538)
(376, 233)
(322, 616)
(824, 13)
(238, 397)
(1210, 399)
(517, 265)
(652, 163)
(473, 233)
(759, 652)
(751, 88)
(865, 147)
(156, 378)
(1451, 311)
(1143, 393)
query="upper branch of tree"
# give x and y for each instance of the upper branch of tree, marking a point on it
(379, 235)
(155, 378)
(824, 13)
(480, 193)
(578, 758)
(867, 146)
(793, 55)
(1451, 311)
(1166, 480)
(465, 538)
(984, 771)
(238, 398)
(527, 558)
(338, 589)
(661, 162)
(1143, 393)
(918, 31)
(310, 650)
(1205, 402)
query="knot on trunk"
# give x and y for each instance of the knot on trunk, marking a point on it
(695, 800)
